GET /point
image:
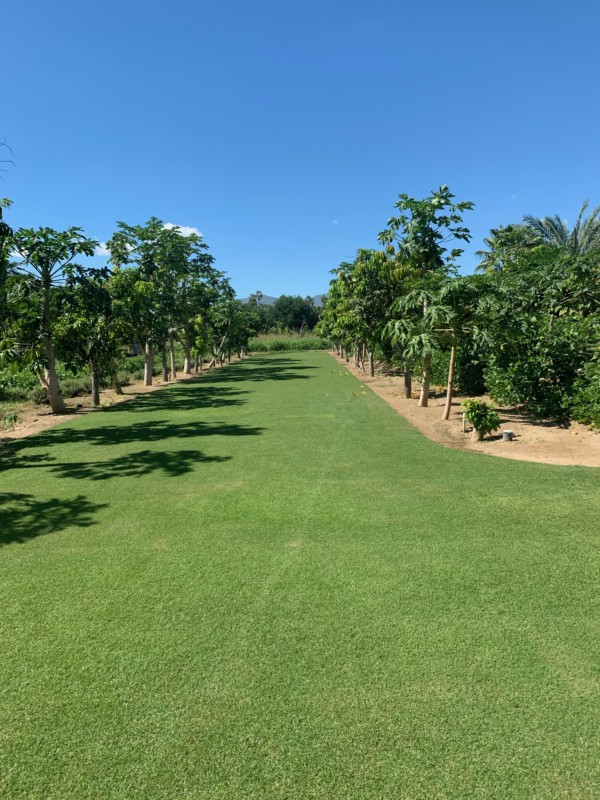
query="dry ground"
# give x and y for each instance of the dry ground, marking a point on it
(542, 441)
(35, 418)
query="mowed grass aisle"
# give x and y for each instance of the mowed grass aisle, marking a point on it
(266, 584)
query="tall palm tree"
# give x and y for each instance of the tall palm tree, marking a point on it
(504, 245)
(553, 231)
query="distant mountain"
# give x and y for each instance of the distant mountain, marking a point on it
(267, 300)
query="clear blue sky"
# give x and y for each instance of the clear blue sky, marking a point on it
(285, 131)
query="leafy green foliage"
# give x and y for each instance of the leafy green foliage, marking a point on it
(584, 405)
(421, 232)
(6, 235)
(482, 416)
(554, 232)
(10, 420)
(287, 313)
(540, 319)
(273, 342)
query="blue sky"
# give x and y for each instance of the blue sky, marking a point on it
(285, 131)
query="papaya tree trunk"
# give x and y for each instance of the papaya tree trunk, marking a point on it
(450, 389)
(408, 379)
(371, 364)
(407, 373)
(426, 375)
(172, 356)
(95, 385)
(425, 381)
(165, 369)
(148, 364)
(49, 380)
(118, 389)
(187, 358)
(217, 354)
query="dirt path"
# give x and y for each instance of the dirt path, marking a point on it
(546, 442)
(36, 418)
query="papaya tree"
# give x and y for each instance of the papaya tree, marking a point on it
(421, 237)
(197, 289)
(135, 312)
(5, 247)
(440, 317)
(85, 335)
(46, 257)
(144, 250)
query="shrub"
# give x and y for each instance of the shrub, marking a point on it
(12, 393)
(271, 343)
(125, 378)
(482, 417)
(16, 384)
(38, 396)
(585, 403)
(469, 374)
(439, 367)
(10, 420)
(131, 364)
(76, 386)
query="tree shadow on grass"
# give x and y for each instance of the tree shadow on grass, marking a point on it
(25, 517)
(195, 395)
(17, 456)
(132, 465)
(262, 369)
(160, 430)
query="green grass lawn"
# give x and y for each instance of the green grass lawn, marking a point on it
(266, 584)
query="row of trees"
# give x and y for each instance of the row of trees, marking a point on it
(286, 313)
(525, 327)
(160, 287)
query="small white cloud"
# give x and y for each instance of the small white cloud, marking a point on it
(186, 230)
(513, 196)
(101, 250)
(335, 222)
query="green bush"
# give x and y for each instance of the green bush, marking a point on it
(125, 378)
(584, 406)
(482, 417)
(13, 393)
(38, 396)
(10, 420)
(76, 386)
(271, 343)
(469, 374)
(130, 364)
(16, 384)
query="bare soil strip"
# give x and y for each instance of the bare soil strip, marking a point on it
(35, 418)
(542, 441)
